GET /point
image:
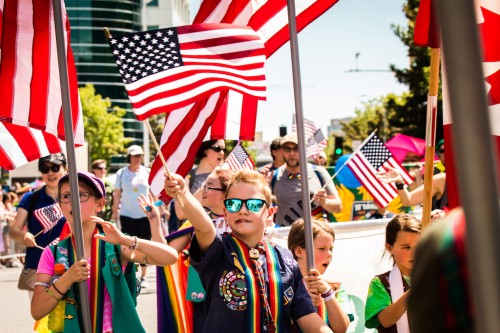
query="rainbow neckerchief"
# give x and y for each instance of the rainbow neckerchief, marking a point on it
(96, 281)
(322, 312)
(174, 313)
(275, 291)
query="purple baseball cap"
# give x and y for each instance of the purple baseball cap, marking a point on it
(91, 180)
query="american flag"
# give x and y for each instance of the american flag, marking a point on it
(167, 69)
(229, 114)
(30, 105)
(315, 140)
(316, 144)
(371, 158)
(239, 159)
(48, 216)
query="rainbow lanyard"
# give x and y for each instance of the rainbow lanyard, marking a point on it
(96, 293)
(275, 285)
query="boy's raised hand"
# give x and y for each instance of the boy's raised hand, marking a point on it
(174, 186)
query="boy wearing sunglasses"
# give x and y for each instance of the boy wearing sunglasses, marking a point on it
(42, 215)
(251, 284)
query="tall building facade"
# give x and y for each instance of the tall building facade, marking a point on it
(94, 61)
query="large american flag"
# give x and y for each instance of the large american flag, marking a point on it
(239, 159)
(371, 158)
(31, 117)
(229, 114)
(167, 69)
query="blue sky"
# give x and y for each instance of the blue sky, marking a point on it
(327, 49)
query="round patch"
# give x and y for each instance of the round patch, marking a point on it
(288, 260)
(233, 289)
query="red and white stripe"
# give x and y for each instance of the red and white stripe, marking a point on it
(234, 115)
(382, 193)
(184, 131)
(239, 159)
(485, 10)
(29, 80)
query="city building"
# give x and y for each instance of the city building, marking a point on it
(94, 61)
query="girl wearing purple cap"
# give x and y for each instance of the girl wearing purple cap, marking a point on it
(108, 267)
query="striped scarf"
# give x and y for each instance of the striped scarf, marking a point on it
(275, 291)
(96, 292)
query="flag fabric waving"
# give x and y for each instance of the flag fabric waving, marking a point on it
(371, 158)
(233, 115)
(30, 105)
(426, 31)
(316, 144)
(315, 140)
(239, 159)
(167, 69)
(488, 20)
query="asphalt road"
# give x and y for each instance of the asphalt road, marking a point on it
(15, 314)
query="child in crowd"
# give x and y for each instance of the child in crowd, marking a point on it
(386, 303)
(330, 299)
(108, 269)
(237, 268)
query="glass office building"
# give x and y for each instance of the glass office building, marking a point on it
(94, 61)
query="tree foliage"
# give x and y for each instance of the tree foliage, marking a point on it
(103, 124)
(407, 112)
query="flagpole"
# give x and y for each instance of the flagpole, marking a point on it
(477, 163)
(158, 149)
(70, 151)
(347, 161)
(430, 136)
(297, 88)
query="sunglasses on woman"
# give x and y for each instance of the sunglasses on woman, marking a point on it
(217, 149)
(45, 168)
(253, 205)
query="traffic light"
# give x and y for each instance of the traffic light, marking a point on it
(339, 146)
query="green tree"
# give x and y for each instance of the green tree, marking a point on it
(103, 124)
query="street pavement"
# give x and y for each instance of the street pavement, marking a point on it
(15, 314)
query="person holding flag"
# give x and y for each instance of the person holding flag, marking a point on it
(285, 184)
(42, 216)
(238, 268)
(108, 270)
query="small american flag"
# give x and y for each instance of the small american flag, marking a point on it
(48, 216)
(167, 69)
(371, 158)
(315, 140)
(239, 159)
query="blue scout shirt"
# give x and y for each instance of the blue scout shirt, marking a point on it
(225, 285)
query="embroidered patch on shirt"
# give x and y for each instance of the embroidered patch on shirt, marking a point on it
(288, 295)
(288, 260)
(233, 289)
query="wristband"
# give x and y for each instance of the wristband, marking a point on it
(54, 285)
(400, 186)
(43, 284)
(52, 294)
(329, 298)
(134, 244)
(327, 293)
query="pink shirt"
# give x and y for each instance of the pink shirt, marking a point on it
(46, 266)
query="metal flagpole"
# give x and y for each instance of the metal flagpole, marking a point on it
(297, 88)
(70, 151)
(476, 159)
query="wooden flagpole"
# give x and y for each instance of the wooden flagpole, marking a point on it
(430, 136)
(297, 88)
(70, 151)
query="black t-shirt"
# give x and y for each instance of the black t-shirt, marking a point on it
(226, 307)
